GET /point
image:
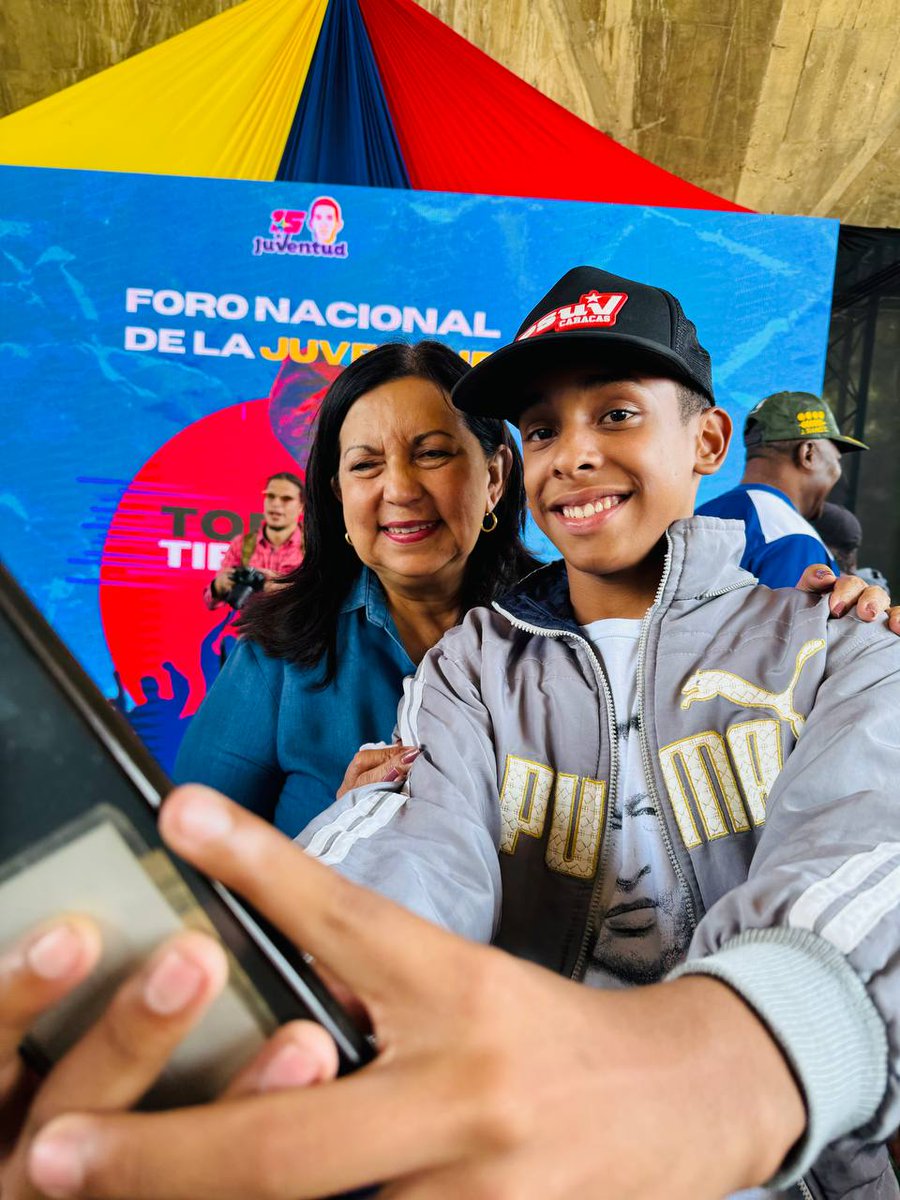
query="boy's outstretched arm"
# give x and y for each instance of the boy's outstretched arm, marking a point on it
(429, 840)
(812, 939)
(495, 1078)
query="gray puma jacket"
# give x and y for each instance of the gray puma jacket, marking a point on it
(770, 737)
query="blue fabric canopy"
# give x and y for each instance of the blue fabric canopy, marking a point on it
(342, 131)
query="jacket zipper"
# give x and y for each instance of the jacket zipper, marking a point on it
(645, 749)
(732, 587)
(645, 755)
(645, 752)
(578, 969)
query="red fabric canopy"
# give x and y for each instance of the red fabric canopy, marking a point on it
(466, 124)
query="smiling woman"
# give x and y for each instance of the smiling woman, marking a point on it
(414, 515)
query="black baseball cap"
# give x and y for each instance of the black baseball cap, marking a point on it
(589, 316)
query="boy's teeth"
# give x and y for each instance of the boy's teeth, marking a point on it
(578, 511)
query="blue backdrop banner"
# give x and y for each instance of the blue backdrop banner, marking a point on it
(166, 342)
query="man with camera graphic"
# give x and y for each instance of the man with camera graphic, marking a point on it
(255, 560)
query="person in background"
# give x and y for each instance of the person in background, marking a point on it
(841, 532)
(414, 515)
(275, 549)
(794, 449)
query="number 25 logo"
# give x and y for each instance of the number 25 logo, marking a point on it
(287, 220)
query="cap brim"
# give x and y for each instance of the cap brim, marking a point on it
(499, 385)
(848, 444)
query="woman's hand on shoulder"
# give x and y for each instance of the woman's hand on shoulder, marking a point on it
(382, 764)
(849, 593)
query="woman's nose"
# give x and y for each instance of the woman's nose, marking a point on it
(401, 482)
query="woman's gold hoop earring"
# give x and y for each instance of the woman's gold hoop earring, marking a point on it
(489, 522)
(347, 538)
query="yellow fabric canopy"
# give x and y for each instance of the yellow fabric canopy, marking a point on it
(248, 64)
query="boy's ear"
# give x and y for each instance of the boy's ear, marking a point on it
(713, 437)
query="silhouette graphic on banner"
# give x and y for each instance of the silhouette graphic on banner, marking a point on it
(167, 538)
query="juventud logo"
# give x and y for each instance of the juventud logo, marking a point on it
(324, 220)
(593, 310)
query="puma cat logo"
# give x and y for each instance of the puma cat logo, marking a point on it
(705, 685)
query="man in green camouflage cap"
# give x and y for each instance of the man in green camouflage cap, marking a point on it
(794, 447)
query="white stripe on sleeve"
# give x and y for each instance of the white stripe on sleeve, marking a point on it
(355, 812)
(812, 903)
(413, 690)
(855, 922)
(378, 817)
(371, 812)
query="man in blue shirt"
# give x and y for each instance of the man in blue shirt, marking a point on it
(794, 448)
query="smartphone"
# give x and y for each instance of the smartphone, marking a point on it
(79, 794)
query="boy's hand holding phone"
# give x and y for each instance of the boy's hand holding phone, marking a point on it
(119, 1058)
(494, 1077)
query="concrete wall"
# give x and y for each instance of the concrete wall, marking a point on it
(788, 106)
(46, 45)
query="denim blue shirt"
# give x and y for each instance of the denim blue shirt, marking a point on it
(268, 738)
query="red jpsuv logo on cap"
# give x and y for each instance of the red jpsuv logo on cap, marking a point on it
(593, 310)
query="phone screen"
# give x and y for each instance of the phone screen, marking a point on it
(78, 794)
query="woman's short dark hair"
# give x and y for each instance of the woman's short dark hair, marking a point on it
(299, 621)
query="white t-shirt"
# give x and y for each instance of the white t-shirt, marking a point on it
(643, 925)
(644, 929)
